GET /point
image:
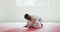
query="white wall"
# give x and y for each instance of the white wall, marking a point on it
(48, 13)
(7, 8)
(10, 13)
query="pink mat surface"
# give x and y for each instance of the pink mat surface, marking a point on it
(18, 27)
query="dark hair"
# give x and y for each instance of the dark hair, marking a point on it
(26, 15)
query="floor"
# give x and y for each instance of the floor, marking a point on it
(18, 27)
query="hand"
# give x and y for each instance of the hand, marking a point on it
(25, 26)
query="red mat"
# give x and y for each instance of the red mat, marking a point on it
(23, 30)
(18, 27)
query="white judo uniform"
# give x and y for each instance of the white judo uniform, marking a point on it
(36, 19)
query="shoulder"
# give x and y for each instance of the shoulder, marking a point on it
(35, 16)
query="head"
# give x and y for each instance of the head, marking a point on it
(27, 16)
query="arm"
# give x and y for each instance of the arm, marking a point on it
(33, 21)
(27, 24)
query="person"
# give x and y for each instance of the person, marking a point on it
(33, 21)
